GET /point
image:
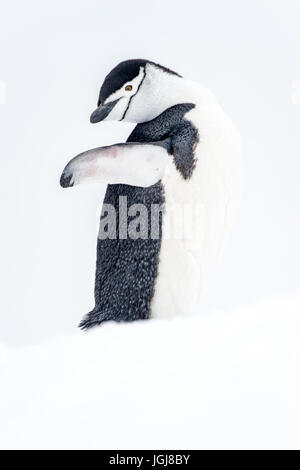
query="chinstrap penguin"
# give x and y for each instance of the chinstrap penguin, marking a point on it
(184, 151)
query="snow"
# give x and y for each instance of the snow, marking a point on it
(227, 379)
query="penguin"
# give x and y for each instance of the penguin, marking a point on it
(183, 157)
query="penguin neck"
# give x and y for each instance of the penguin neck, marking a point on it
(160, 90)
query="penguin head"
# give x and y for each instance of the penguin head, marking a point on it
(134, 91)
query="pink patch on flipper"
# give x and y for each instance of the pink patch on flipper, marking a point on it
(112, 152)
(90, 169)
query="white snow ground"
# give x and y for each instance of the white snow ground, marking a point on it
(224, 380)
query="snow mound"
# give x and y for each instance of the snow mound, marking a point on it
(224, 380)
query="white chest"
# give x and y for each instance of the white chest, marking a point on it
(198, 214)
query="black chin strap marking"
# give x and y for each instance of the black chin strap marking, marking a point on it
(141, 82)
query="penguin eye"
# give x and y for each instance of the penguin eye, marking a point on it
(128, 87)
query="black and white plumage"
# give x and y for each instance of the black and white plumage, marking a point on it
(184, 153)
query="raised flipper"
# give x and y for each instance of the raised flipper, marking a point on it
(135, 164)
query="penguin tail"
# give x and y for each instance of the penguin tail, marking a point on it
(92, 319)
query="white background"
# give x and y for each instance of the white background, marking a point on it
(53, 58)
(228, 378)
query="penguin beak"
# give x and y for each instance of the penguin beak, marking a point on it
(102, 111)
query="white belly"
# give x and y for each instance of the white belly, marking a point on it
(205, 206)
